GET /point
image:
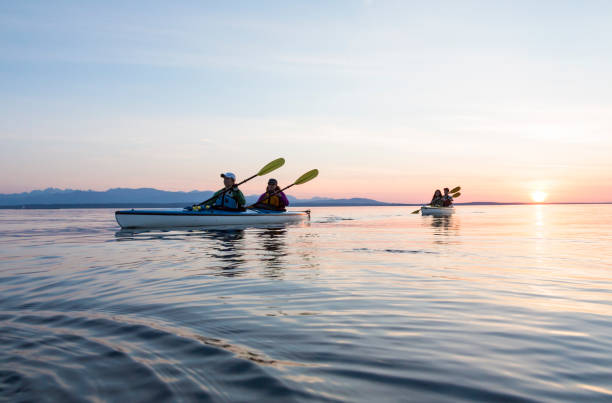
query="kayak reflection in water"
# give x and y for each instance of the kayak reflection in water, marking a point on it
(226, 252)
(437, 200)
(273, 198)
(230, 198)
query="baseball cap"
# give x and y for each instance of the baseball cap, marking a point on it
(228, 175)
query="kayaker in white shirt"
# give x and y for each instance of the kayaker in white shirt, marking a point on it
(230, 197)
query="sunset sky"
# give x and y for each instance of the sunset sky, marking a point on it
(389, 99)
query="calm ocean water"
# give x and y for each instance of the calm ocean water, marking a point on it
(496, 303)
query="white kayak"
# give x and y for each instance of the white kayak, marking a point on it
(170, 218)
(428, 210)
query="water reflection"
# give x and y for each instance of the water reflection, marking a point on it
(444, 227)
(228, 248)
(174, 233)
(274, 244)
(540, 241)
(352, 310)
(182, 232)
(442, 222)
(539, 221)
(309, 253)
(223, 249)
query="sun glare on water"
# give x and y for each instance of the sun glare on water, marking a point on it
(538, 196)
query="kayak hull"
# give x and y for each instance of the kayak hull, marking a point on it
(428, 210)
(208, 218)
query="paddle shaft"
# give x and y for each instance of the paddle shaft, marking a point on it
(281, 190)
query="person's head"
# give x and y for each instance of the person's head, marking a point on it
(272, 185)
(445, 191)
(437, 193)
(229, 179)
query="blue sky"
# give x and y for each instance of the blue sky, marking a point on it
(388, 99)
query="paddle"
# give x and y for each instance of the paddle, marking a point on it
(307, 177)
(272, 166)
(456, 194)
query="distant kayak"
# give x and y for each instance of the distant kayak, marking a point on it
(170, 218)
(428, 210)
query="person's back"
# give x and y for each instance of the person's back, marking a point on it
(437, 199)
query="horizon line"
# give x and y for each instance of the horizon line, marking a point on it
(59, 206)
(323, 198)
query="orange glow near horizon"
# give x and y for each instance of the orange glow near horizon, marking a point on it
(539, 196)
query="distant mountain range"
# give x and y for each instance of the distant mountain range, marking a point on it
(145, 197)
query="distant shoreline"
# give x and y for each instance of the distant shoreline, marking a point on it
(312, 204)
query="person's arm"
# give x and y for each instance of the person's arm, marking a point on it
(240, 200)
(263, 196)
(215, 197)
(284, 199)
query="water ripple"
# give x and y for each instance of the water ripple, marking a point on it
(361, 304)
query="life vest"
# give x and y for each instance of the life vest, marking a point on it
(447, 201)
(437, 202)
(274, 201)
(226, 201)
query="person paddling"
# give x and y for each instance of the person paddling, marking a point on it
(447, 199)
(437, 200)
(273, 198)
(230, 198)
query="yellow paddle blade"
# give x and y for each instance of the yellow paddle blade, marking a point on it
(416, 211)
(456, 195)
(272, 166)
(308, 176)
(455, 190)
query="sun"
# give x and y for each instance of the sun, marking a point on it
(539, 196)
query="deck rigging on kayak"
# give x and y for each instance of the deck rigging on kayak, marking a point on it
(225, 207)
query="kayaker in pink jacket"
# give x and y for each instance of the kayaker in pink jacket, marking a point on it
(273, 198)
